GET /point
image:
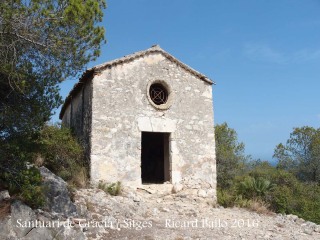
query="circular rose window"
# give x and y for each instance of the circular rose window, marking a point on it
(159, 94)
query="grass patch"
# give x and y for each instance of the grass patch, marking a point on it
(113, 189)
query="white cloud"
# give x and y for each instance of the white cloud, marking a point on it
(263, 52)
(306, 55)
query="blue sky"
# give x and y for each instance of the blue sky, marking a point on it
(264, 56)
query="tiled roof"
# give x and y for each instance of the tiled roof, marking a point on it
(89, 73)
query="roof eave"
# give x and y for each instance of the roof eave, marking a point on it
(88, 74)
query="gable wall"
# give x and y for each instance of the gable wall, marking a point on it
(121, 110)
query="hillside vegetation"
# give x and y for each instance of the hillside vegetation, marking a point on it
(290, 187)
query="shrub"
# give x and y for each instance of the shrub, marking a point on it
(259, 206)
(241, 202)
(253, 187)
(32, 191)
(60, 152)
(25, 184)
(302, 200)
(226, 198)
(113, 189)
(230, 198)
(53, 147)
(288, 195)
(21, 181)
(281, 199)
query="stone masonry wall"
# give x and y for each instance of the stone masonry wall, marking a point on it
(77, 116)
(121, 111)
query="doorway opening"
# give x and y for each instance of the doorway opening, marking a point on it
(155, 164)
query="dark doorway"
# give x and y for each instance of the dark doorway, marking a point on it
(155, 167)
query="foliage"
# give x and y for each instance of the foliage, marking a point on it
(301, 154)
(113, 189)
(31, 189)
(53, 147)
(60, 152)
(42, 43)
(279, 191)
(302, 199)
(229, 198)
(288, 188)
(24, 184)
(230, 155)
(226, 197)
(253, 187)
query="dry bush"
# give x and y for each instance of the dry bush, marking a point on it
(259, 206)
(81, 179)
(255, 205)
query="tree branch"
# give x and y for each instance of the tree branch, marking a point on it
(26, 39)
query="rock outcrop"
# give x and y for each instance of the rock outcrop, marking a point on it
(57, 194)
(21, 214)
(144, 214)
(54, 223)
(27, 224)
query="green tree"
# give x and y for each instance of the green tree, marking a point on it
(301, 154)
(230, 156)
(42, 42)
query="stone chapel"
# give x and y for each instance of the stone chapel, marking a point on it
(145, 118)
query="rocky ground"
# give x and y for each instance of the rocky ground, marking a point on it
(148, 213)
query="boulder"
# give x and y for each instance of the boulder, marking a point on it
(40, 234)
(57, 194)
(22, 218)
(6, 229)
(66, 233)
